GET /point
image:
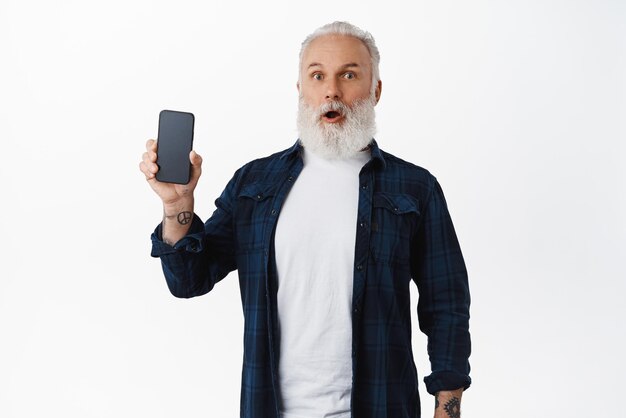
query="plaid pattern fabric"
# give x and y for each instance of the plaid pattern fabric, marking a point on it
(404, 234)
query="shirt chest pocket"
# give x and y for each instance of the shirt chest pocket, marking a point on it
(254, 207)
(394, 216)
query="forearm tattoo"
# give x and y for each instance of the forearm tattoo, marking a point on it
(453, 408)
(184, 217)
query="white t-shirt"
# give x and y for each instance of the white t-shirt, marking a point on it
(315, 244)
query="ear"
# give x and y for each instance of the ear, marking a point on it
(379, 89)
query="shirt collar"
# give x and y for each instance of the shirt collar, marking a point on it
(296, 149)
(293, 150)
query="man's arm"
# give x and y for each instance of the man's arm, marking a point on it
(439, 271)
(194, 256)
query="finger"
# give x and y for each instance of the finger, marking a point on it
(146, 172)
(150, 163)
(151, 145)
(196, 165)
(195, 158)
(151, 149)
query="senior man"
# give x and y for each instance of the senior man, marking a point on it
(326, 237)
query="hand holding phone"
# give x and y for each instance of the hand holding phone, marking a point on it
(172, 194)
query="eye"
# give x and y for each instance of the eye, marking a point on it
(349, 76)
(317, 76)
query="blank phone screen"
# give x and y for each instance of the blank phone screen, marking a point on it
(173, 146)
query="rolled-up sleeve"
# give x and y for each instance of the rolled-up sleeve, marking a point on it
(439, 271)
(190, 242)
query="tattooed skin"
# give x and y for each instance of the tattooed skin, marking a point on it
(436, 400)
(453, 408)
(184, 217)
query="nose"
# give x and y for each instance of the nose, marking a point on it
(333, 92)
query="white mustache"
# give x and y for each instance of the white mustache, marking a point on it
(335, 106)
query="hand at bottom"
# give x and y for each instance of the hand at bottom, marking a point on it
(448, 403)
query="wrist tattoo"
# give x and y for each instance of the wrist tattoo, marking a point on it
(184, 217)
(453, 408)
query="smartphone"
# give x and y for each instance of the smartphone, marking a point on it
(174, 143)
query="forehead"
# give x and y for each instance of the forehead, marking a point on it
(336, 50)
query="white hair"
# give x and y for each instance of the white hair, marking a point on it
(347, 29)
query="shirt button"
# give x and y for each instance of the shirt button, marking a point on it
(290, 178)
(395, 209)
(364, 187)
(259, 196)
(362, 224)
(359, 267)
(273, 211)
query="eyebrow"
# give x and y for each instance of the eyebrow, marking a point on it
(349, 65)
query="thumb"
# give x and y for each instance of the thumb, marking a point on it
(195, 158)
(196, 164)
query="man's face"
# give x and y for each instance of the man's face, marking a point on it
(335, 68)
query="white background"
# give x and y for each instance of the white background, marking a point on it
(517, 107)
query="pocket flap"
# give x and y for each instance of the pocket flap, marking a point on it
(396, 202)
(258, 191)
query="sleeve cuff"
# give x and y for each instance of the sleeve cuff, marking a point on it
(192, 242)
(446, 380)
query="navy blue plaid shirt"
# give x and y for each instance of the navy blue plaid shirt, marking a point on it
(404, 234)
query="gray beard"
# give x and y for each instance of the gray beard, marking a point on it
(337, 140)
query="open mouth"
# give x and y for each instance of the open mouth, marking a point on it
(331, 116)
